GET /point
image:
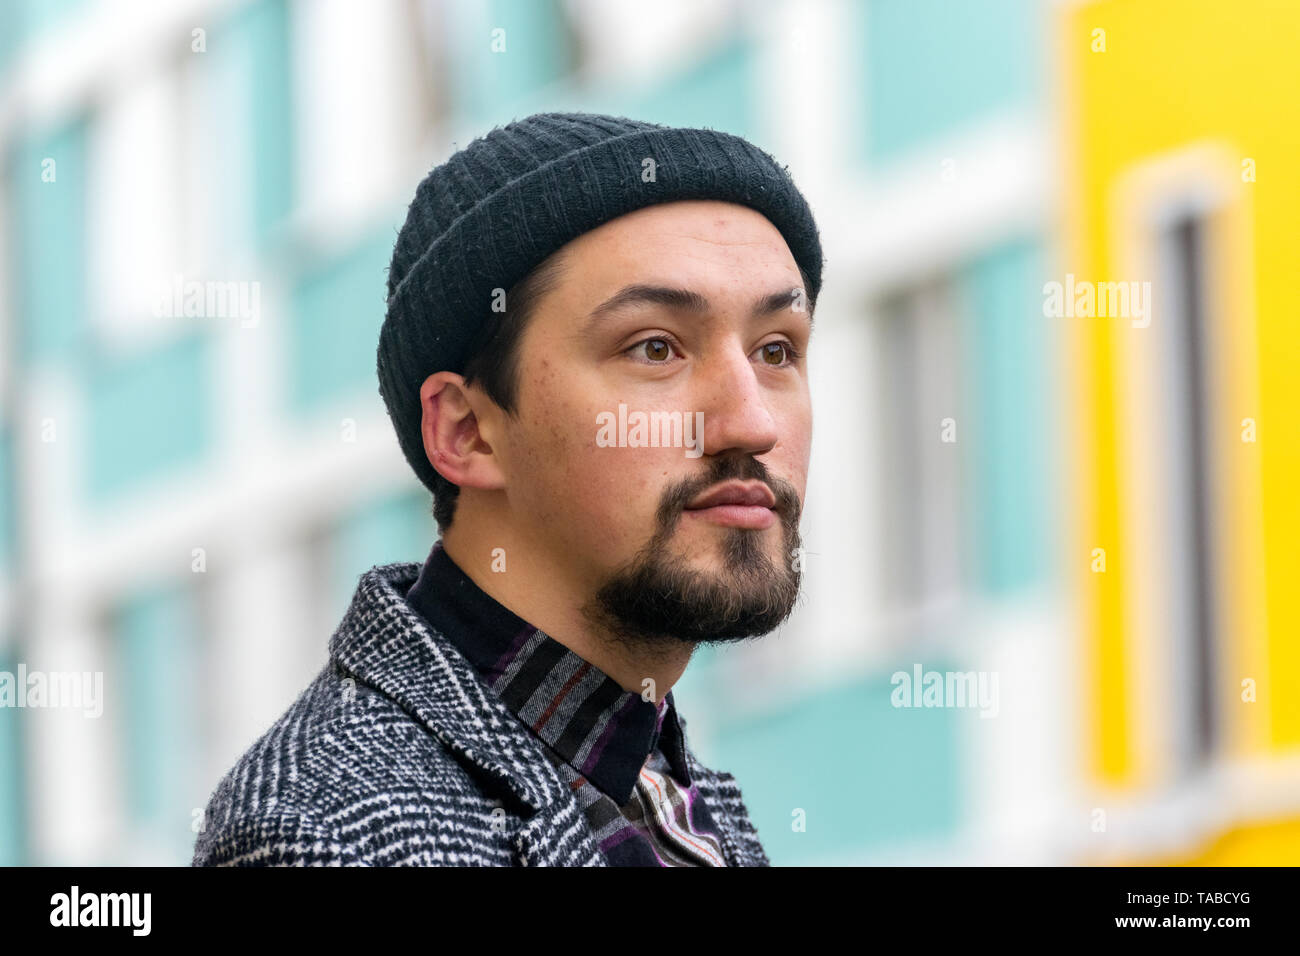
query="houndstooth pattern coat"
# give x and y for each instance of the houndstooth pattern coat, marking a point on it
(397, 754)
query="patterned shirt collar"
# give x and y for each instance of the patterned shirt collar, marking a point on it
(603, 731)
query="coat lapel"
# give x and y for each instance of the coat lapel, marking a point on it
(386, 643)
(738, 845)
(557, 835)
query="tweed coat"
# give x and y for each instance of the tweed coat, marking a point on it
(398, 754)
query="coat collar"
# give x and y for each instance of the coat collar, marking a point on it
(603, 732)
(386, 643)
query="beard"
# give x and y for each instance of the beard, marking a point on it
(658, 597)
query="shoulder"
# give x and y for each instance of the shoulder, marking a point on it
(347, 777)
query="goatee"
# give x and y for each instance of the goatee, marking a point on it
(659, 597)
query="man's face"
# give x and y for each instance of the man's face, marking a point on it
(616, 517)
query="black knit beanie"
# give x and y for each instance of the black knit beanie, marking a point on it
(486, 217)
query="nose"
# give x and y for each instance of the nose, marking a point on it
(737, 418)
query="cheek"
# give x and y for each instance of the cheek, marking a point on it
(601, 500)
(794, 463)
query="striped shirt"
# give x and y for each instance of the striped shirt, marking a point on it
(624, 757)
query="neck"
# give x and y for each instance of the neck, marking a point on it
(549, 593)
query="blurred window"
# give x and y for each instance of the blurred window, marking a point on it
(919, 409)
(366, 89)
(136, 226)
(1188, 494)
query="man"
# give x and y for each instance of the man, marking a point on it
(509, 702)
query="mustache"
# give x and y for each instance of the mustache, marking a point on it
(746, 468)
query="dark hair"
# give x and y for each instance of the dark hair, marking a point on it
(495, 364)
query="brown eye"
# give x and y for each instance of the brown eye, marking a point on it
(656, 349)
(780, 354)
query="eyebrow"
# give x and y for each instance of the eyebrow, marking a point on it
(688, 300)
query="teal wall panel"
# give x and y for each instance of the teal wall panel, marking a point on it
(1008, 344)
(931, 66)
(155, 694)
(147, 414)
(868, 775)
(8, 502)
(13, 822)
(486, 83)
(337, 311)
(23, 21)
(250, 70)
(395, 527)
(47, 177)
(271, 138)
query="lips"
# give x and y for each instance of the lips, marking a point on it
(753, 493)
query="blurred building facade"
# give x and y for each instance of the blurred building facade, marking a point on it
(192, 485)
(1178, 118)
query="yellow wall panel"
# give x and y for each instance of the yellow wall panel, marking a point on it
(1175, 77)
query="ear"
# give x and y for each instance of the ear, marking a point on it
(451, 435)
